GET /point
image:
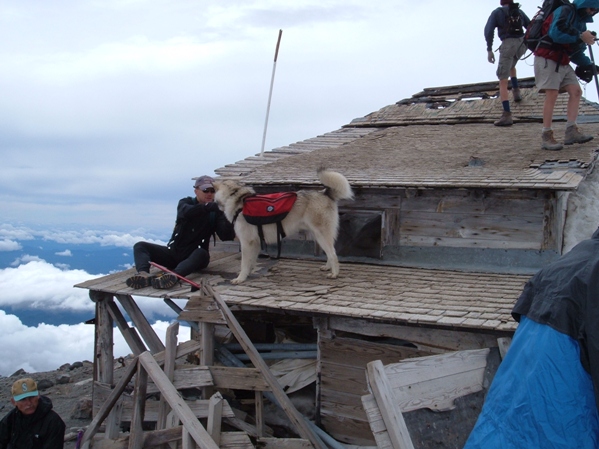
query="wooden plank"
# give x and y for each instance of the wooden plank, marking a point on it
(107, 406)
(444, 340)
(207, 353)
(238, 378)
(215, 416)
(392, 416)
(170, 353)
(141, 323)
(136, 433)
(183, 349)
(294, 416)
(190, 376)
(375, 420)
(284, 443)
(129, 334)
(104, 362)
(177, 403)
(156, 438)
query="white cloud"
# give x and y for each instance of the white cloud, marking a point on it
(9, 245)
(20, 345)
(65, 253)
(38, 284)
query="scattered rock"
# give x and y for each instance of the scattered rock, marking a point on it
(44, 384)
(82, 409)
(63, 379)
(76, 365)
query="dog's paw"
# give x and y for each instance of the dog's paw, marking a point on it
(325, 268)
(238, 280)
(332, 276)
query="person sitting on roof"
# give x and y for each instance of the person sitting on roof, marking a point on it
(567, 40)
(545, 393)
(32, 424)
(512, 48)
(187, 251)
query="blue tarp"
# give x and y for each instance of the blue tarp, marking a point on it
(541, 396)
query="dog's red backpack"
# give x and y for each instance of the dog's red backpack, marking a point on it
(267, 209)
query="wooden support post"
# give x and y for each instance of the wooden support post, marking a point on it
(141, 323)
(259, 398)
(215, 416)
(392, 416)
(170, 353)
(108, 405)
(136, 437)
(294, 416)
(187, 441)
(172, 396)
(129, 333)
(104, 360)
(207, 352)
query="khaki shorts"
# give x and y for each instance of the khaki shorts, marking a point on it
(510, 52)
(546, 77)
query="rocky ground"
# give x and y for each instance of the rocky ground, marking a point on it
(69, 388)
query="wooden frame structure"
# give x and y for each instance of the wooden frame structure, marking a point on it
(432, 382)
(155, 371)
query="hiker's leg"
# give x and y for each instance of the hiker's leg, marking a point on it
(144, 252)
(548, 106)
(574, 96)
(196, 261)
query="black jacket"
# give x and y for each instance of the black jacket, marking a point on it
(44, 429)
(565, 296)
(195, 224)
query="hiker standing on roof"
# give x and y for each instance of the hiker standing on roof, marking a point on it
(567, 38)
(510, 22)
(198, 219)
(545, 393)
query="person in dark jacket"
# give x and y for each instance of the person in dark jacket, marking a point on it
(567, 41)
(32, 424)
(198, 219)
(546, 390)
(512, 48)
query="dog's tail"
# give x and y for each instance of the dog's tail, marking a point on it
(337, 186)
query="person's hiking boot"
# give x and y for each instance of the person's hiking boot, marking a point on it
(549, 142)
(165, 281)
(517, 95)
(505, 119)
(573, 135)
(142, 279)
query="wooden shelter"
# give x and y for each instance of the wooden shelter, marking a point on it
(451, 217)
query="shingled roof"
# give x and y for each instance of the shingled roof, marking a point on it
(449, 142)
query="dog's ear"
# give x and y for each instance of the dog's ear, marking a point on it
(216, 185)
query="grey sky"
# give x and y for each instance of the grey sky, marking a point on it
(110, 108)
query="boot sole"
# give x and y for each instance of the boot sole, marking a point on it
(165, 281)
(137, 281)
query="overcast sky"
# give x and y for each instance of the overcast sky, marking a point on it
(109, 108)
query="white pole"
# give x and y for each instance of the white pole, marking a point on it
(272, 81)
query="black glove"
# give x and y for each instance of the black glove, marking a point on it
(586, 72)
(211, 207)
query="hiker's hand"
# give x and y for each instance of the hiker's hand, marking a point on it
(490, 57)
(211, 206)
(587, 37)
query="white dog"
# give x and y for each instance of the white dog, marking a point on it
(314, 210)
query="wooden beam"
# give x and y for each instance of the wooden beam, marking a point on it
(181, 409)
(169, 369)
(136, 436)
(297, 419)
(141, 323)
(108, 404)
(392, 416)
(129, 333)
(215, 417)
